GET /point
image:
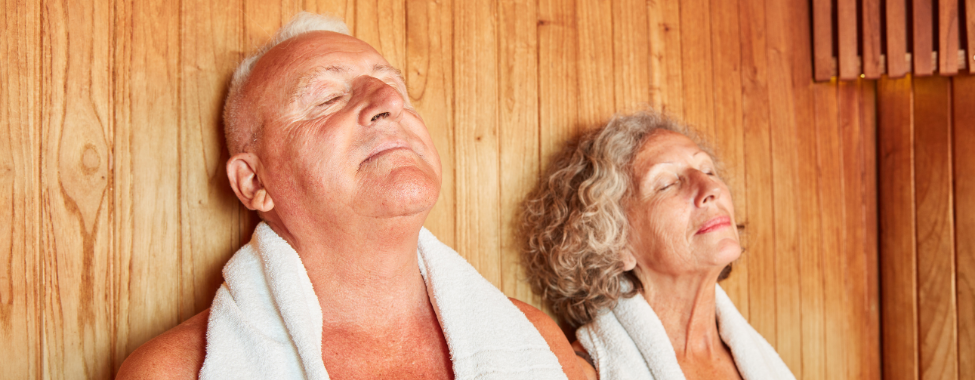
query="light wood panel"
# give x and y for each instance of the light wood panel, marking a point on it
(20, 251)
(131, 201)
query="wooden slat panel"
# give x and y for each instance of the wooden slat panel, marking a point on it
(728, 129)
(898, 264)
(923, 31)
(870, 356)
(210, 48)
(698, 85)
(947, 37)
(790, 63)
(146, 179)
(520, 158)
(429, 81)
(963, 138)
(823, 39)
(558, 93)
(759, 236)
(872, 36)
(382, 24)
(594, 20)
(665, 57)
(631, 56)
(935, 240)
(896, 38)
(77, 209)
(970, 29)
(848, 35)
(476, 123)
(20, 267)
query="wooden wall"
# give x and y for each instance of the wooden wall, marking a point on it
(117, 217)
(927, 214)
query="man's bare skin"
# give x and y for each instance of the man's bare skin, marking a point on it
(345, 172)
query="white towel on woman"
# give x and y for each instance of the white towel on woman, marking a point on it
(629, 342)
(266, 322)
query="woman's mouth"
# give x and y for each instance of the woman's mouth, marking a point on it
(714, 224)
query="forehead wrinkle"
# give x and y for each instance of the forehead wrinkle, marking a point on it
(387, 69)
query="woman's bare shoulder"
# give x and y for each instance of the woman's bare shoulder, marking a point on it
(176, 354)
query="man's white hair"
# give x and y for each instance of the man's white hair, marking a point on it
(238, 135)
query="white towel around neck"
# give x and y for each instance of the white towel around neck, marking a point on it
(629, 342)
(266, 322)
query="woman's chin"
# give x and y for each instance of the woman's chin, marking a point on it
(727, 251)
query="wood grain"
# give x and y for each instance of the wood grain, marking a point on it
(519, 128)
(759, 222)
(870, 354)
(823, 39)
(631, 57)
(947, 37)
(696, 51)
(844, 355)
(970, 31)
(963, 138)
(77, 178)
(558, 93)
(211, 45)
(382, 24)
(896, 38)
(594, 31)
(147, 184)
(823, 214)
(429, 79)
(785, 22)
(263, 18)
(871, 39)
(898, 264)
(665, 57)
(922, 28)
(476, 130)
(935, 240)
(20, 148)
(728, 130)
(848, 34)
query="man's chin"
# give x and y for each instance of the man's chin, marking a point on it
(415, 197)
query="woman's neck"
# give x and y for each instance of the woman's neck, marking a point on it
(686, 308)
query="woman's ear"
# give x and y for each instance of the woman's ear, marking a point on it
(629, 261)
(242, 170)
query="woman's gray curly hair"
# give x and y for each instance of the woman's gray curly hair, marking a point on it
(574, 222)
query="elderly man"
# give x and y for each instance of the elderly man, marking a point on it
(340, 280)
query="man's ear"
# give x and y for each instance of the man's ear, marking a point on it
(629, 261)
(242, 171)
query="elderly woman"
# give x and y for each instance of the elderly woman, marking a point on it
(627, 237)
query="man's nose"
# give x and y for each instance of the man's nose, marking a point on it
(380, 101)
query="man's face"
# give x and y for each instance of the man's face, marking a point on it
(339, 134)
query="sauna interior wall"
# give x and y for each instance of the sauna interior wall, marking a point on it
(117, 215)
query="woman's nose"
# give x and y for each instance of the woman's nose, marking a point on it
(708, 188)
(380, 101)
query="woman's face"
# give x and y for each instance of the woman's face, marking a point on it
(681, 214)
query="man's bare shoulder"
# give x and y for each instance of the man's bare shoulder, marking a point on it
(176, 354)
(555, 338)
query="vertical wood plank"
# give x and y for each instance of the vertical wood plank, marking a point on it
(870, 357)
(476, 123)
(898, 265)
(382, 24)
(210, 49)
(759, 232)
(429, 82)
(20, 113)
(558, 93)
(846, 11)
(594, 22)
(698, 84)
(728, 129)
(963, 138)
(872, 37)
(631, 56)
(935, 240)
(77, 208)
(344, 9)
(518, 123)
(970, 31)
(262, 19)
(897, 65)
(947, 37)
(823, 39)
(844, 350)
(819, 263)
(147, 171)
(922, 28)
(790, 105)
(665, 57)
